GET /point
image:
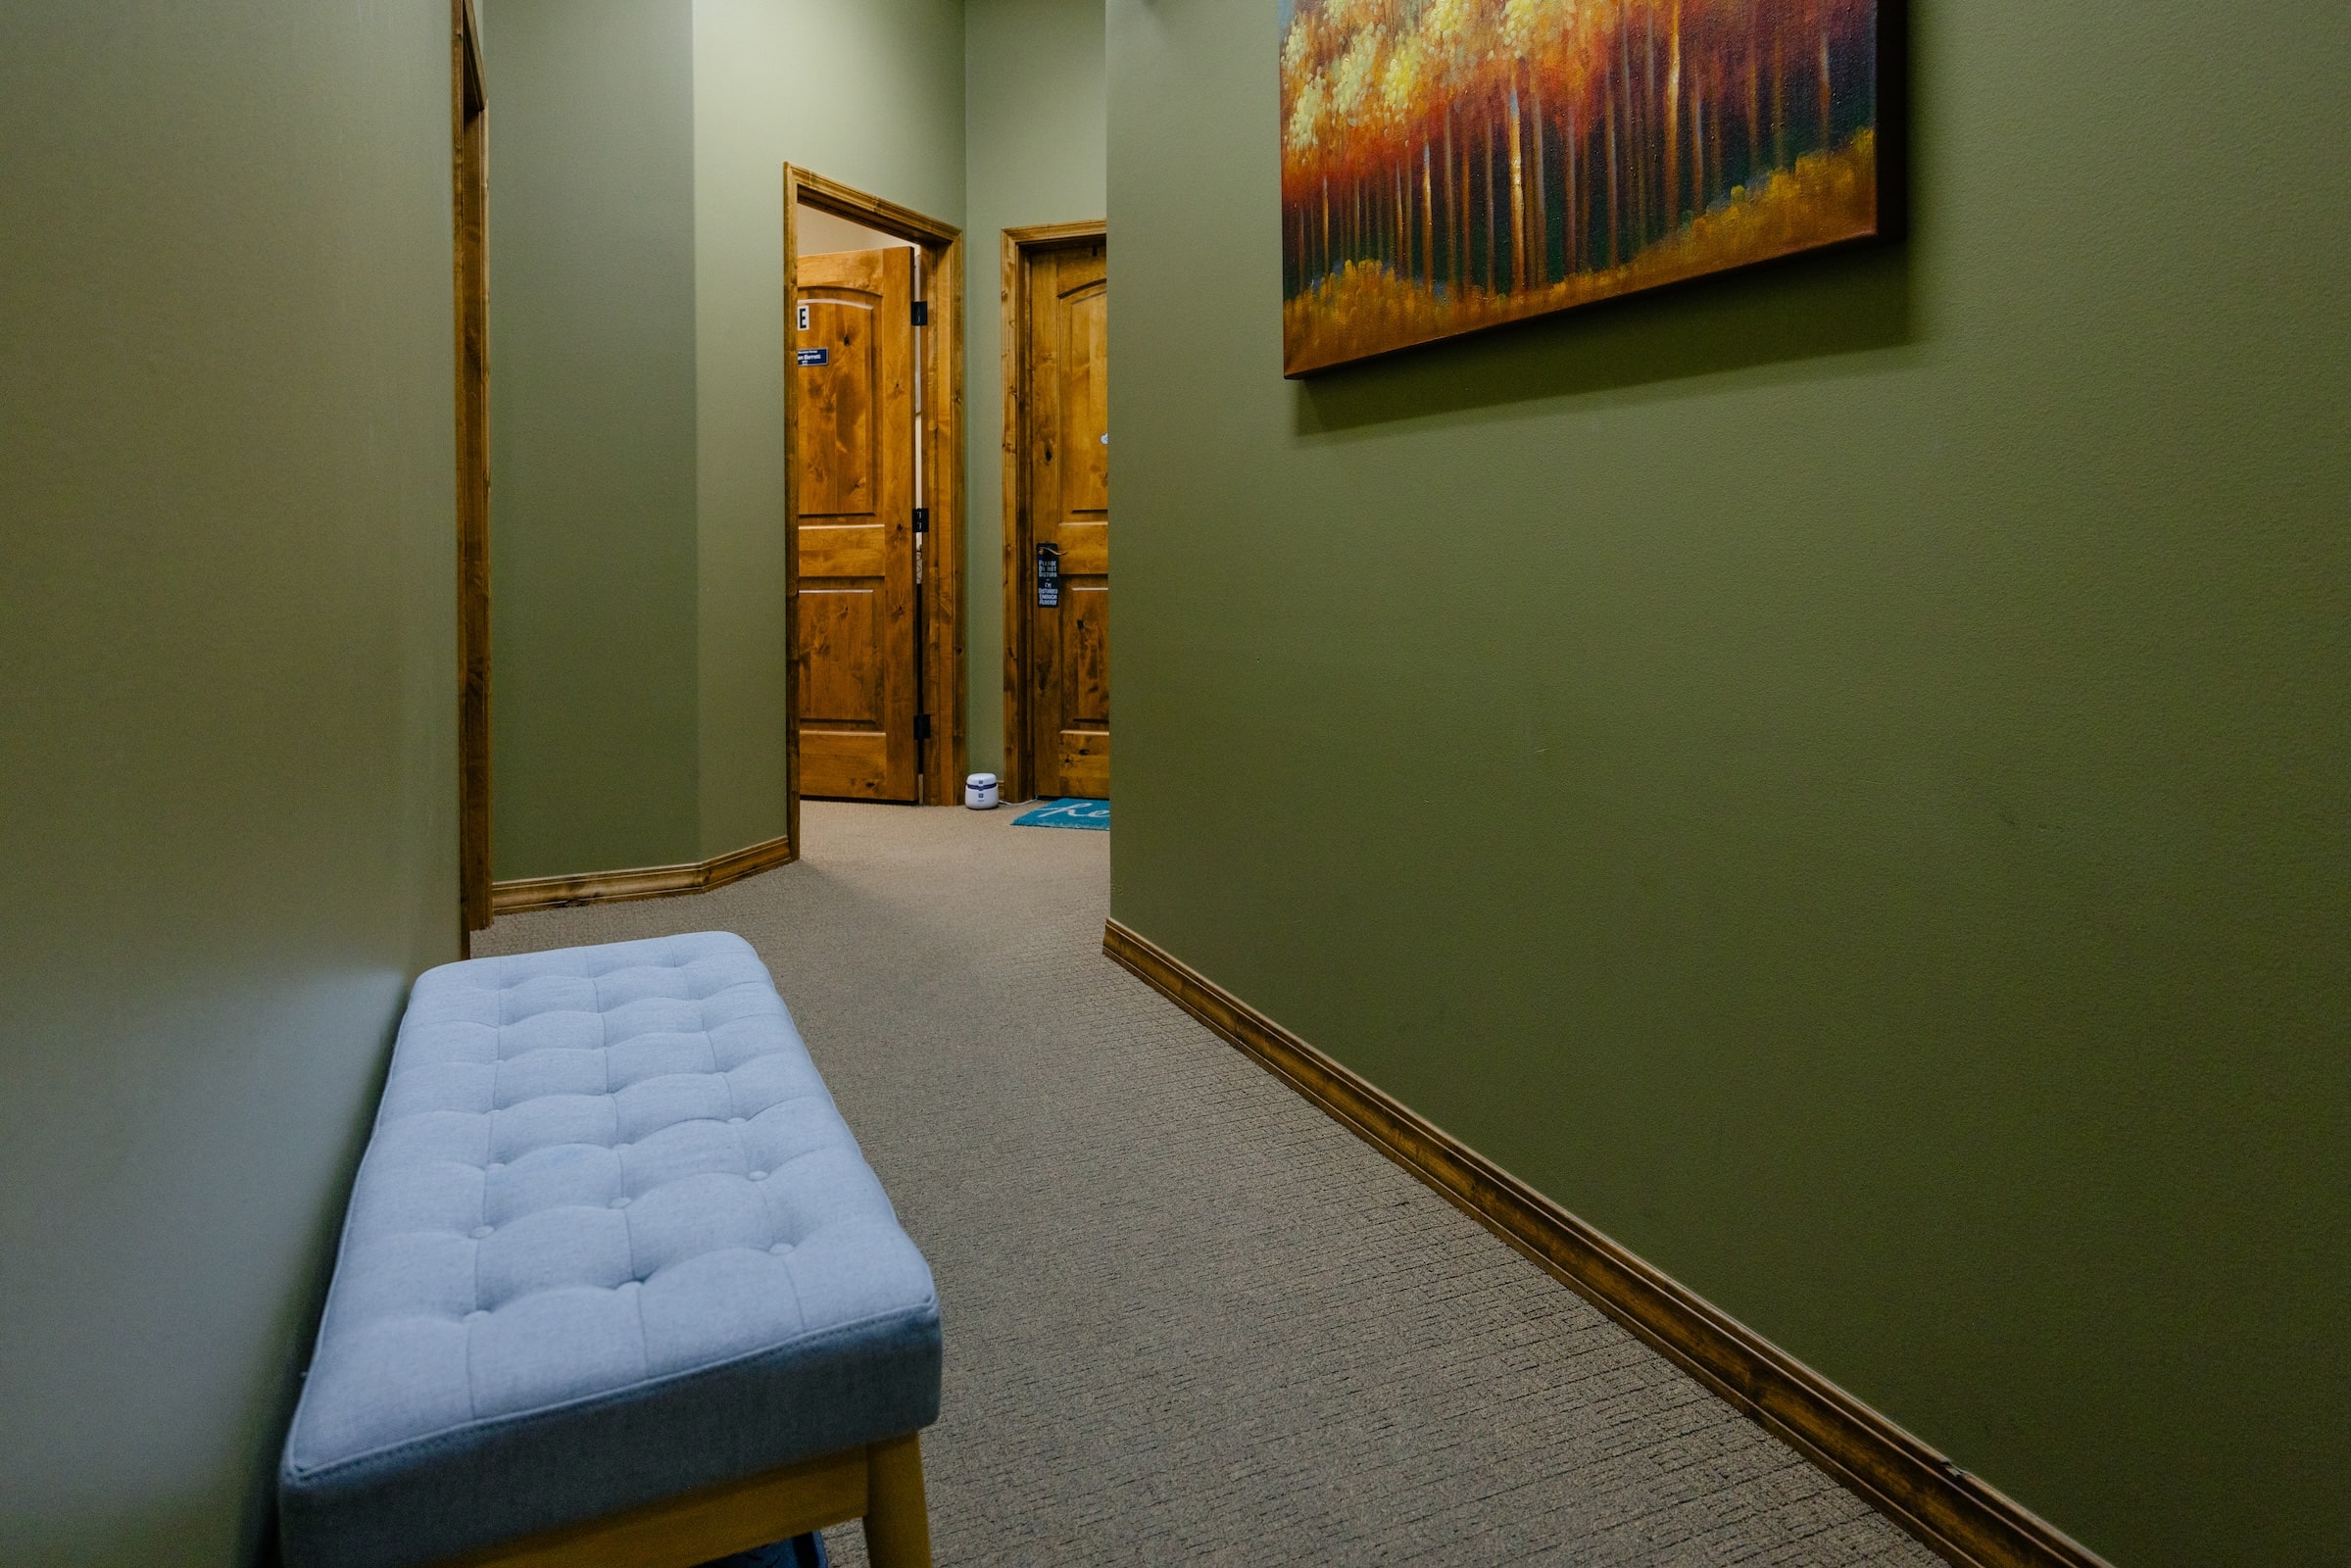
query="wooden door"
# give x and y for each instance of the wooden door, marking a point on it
(854, 351)
(1068, 458)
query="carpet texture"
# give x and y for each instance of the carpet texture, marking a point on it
(1189, 1318)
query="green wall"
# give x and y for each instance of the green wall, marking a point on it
(1837, 775)
(870, 94)
(227, 700)
(593, 461)
(637, 469)
(1036, 124)
(638, 464)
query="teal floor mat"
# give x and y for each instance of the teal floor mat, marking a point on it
(1071, 812)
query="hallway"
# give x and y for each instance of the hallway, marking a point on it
(1189, 1318)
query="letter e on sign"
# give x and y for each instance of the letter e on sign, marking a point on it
(804, 317)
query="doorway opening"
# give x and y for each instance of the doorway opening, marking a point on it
(1057, 511)
(874, 428)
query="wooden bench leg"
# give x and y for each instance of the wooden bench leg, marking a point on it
(898, 1522)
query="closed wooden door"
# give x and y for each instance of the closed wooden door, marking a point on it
(1067, 386)
(854, 352)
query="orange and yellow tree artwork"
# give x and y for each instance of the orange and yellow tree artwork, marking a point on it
(1448, 165)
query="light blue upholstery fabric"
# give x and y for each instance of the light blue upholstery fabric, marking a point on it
(610, 1242)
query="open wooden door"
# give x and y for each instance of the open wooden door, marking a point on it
(1065, 435)
(858, 683)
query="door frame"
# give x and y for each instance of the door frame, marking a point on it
(939, 268)
(469, 198)
(1020, 245)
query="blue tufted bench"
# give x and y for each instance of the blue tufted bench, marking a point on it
(616, 1289)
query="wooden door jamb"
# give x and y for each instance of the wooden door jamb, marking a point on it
(1020, 245)
(470, 281)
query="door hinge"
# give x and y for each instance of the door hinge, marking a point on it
(922, 726)
(922, 312)
(922, 519)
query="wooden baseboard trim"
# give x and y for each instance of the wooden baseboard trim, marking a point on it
(646, 882)
(1956, 1514)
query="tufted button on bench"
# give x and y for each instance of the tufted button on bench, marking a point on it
(616, 1287)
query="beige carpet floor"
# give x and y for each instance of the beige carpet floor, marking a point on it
(1189, 1320)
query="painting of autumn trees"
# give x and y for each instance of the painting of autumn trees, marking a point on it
(1448, 165)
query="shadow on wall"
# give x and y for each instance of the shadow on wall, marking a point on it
(1784, 313)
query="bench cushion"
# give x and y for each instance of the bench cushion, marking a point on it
(610, 1242)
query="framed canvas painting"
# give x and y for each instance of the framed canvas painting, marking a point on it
(1451, 165)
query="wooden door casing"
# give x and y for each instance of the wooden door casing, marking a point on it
(855, 497)
(1067, 457)
(470, 257)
